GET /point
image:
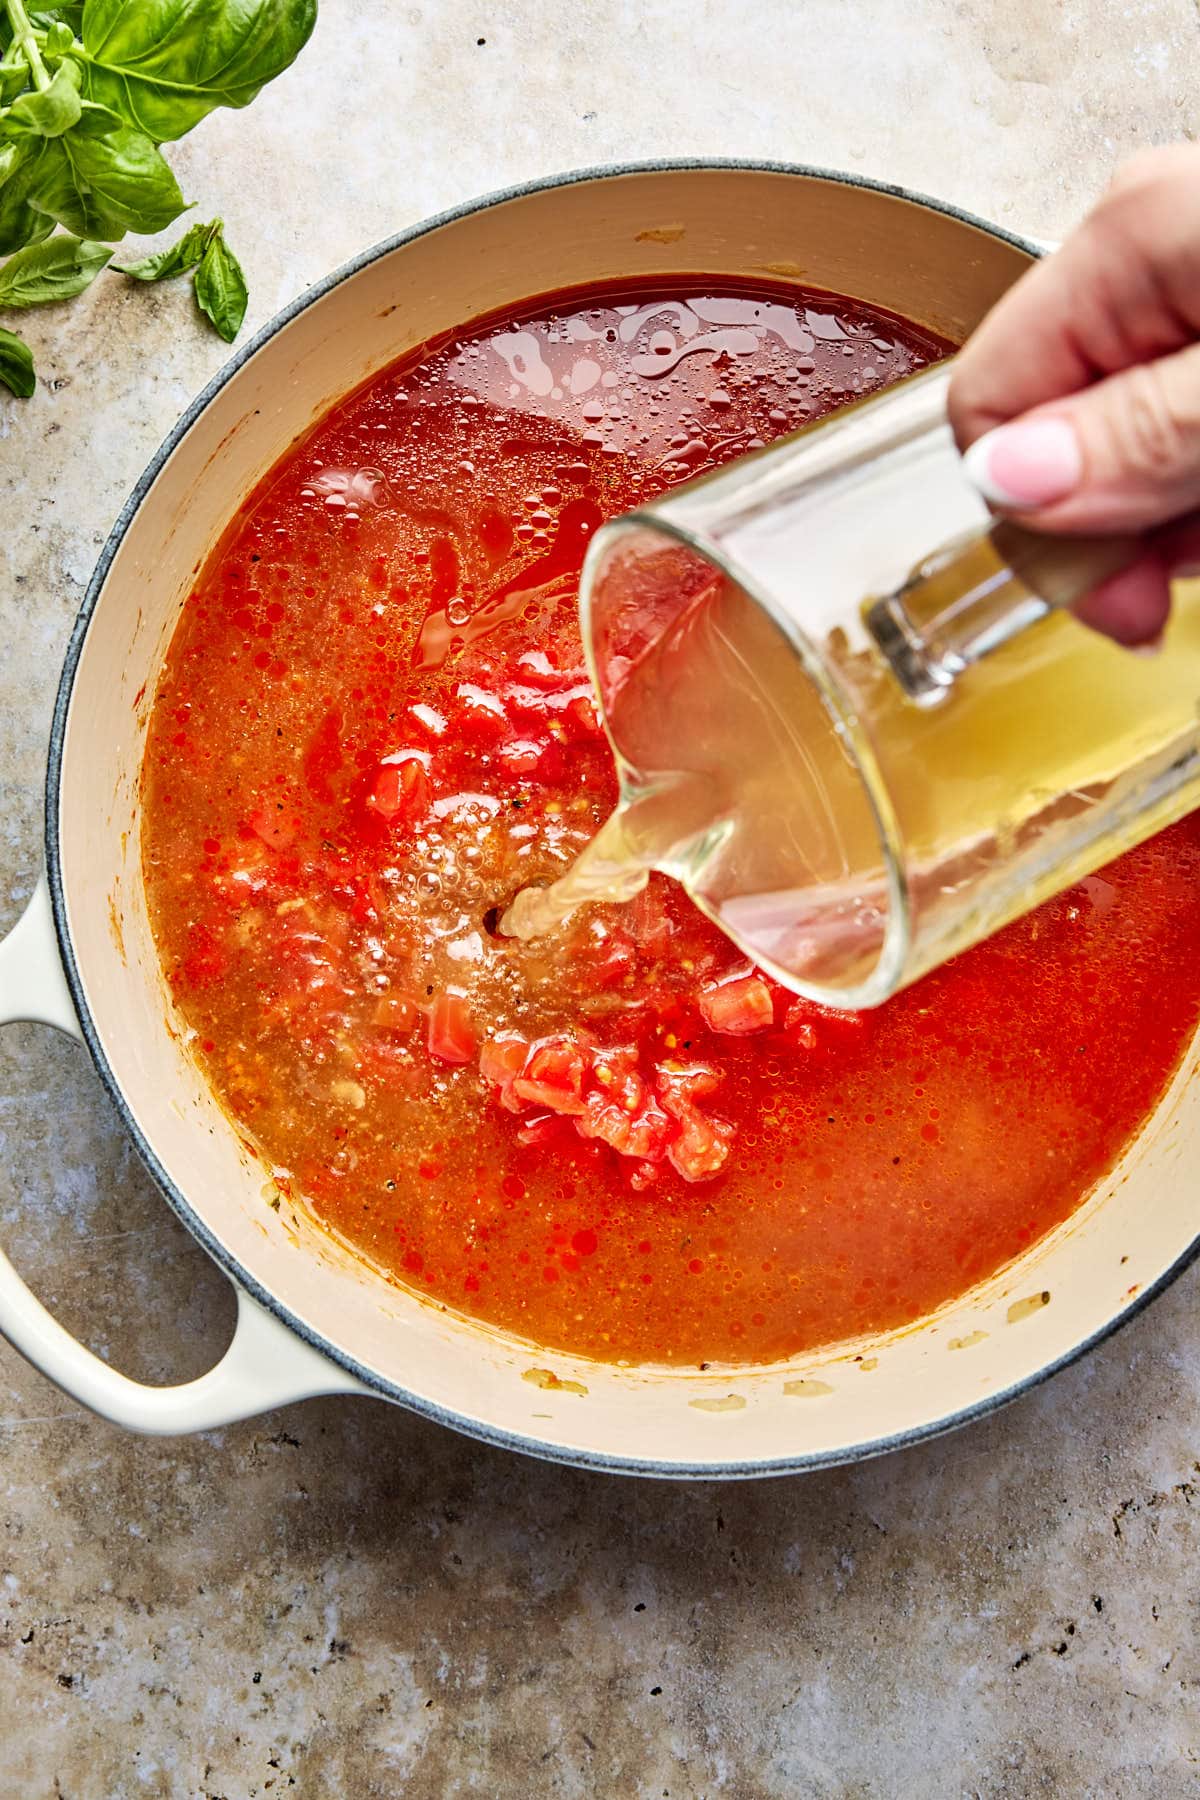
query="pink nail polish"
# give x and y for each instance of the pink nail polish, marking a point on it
(1030, 463)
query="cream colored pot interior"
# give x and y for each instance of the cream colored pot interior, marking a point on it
(877, 247)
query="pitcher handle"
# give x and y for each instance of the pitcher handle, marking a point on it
(266, 1364)
(973, 595)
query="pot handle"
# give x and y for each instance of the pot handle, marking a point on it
(266, 1364)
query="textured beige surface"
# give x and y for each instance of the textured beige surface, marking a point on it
(341, 1600)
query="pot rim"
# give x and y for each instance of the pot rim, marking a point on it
(464, 1423)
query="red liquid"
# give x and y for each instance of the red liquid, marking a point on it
(373, 727)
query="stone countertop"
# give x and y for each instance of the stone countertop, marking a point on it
(342, 1600)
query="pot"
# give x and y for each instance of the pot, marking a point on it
(311, 1318)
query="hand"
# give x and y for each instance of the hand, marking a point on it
(1077, 401)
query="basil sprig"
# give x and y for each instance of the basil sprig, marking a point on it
(218, 282)
(88, 94)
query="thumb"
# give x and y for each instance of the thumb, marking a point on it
(1121, 455)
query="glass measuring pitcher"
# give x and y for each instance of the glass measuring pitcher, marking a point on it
(849, 714)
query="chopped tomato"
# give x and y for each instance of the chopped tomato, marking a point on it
(582, 719)
(275, 825)
(500, 1062)
(451, 1033)
(702, 1146)
(400, 791)
(481, 716)
(641, 1132)
(536, 666)
(553, 1076)
(738, 1007)
(521, 756)
(691, 1082)
(396, 1012)
(616, 1074)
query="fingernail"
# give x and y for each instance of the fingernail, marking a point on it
(1031, 463)
(1151, 647)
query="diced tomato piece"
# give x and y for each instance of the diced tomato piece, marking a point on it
(521, 756)
(396, 1012)
(616, 1075)
(702, 1146)
(400, 791)
(581, 718)
(451, 1035)
(433, 721)
(274, 825)
(686, 1082)
(500, 1062)
(553, 1076)
(481, 717)
(530, 706)
(642, 1133)
(536, 667)
(738, 1007)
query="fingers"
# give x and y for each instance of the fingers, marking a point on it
(1077, 401)
(1132, 607)
(1122, 455)
(1124, 289)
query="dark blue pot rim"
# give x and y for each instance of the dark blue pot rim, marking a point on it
(389, 1390)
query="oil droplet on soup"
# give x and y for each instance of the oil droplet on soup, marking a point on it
(374, 727)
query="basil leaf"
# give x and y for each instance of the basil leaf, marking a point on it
(47, 17)
(59, 39)
(53, 110)
(56, 270)
(102, 187)
(97, 121)
(221, 289)
(16, 364)
(164, 64)
(14, 79)
(19, 222)
(177, 260)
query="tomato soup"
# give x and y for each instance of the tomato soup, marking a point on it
(373, 727)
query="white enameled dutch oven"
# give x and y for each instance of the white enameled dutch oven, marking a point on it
(311, 1320)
